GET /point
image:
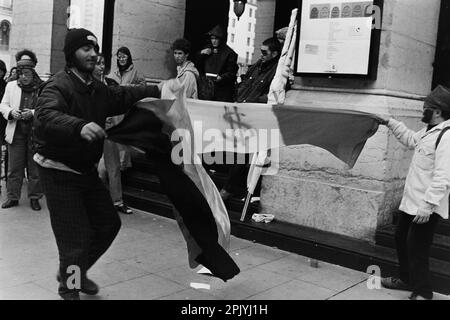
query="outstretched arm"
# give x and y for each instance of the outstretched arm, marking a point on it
(122, 98)
(406, 136)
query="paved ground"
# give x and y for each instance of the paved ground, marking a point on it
(148, 261)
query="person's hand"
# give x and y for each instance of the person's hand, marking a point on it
(16, 115)
(383, 119)
(423, 214)
(92, 132)
(26, 114)
(206, 51)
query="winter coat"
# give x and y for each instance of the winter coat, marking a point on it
(66, 104)
(256, 84)
(129, 76)
(11, 101)
(224, 64)
(428, 179)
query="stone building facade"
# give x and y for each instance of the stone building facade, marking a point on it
(313, 188)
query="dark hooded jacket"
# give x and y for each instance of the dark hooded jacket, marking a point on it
(256, 84)
(223, 63)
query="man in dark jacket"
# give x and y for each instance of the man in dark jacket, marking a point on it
(254, 88)
(257, 80)
(69, 135)
(219, 62)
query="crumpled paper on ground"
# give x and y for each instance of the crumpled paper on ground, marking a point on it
(266, 218)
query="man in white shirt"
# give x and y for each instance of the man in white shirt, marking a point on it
(426, 195)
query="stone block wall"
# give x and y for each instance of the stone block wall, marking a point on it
(313, 188)
(148, 28)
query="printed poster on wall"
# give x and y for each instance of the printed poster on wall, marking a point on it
(335, 37)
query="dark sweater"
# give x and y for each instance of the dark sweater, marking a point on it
(66, 104)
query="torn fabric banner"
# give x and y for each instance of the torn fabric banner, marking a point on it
(174, 132)
(251, 127)
(199, 209)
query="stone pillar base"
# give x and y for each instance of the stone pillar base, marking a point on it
(315, 189)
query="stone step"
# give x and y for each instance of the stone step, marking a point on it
(440, 249)
(324, 246)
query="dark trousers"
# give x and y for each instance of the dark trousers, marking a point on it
(236, 183)
(413, 243)
(82, 216)
(20, 156)
(237, 167)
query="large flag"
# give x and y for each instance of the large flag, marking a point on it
(175, 131)
(199, 209)
(253, 127)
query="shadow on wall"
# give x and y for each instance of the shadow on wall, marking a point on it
(169, 63)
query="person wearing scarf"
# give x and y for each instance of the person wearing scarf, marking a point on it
(17, 107)
(126, 74)
(109, 165)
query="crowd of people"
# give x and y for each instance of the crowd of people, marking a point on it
(55, 139)
(55, 136)
(210, 74)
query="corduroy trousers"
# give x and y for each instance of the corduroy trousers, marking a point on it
(82, 216)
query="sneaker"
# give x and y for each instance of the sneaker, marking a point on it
(394, 283)
(88, 287)
(69, 295)
(35, 206)
(123, 208)
(416, 296)
(10, 203)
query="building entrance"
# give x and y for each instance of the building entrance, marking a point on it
(442, 62)
(202, 16)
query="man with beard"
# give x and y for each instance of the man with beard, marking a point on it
(426, 194)
(69, 135)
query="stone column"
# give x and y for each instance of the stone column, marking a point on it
(265, 20)
(315, 189)
(148, 28)
(41, 27)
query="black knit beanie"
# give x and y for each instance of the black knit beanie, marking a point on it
(76, 38)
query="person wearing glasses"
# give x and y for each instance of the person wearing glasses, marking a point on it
(126, 74)
(254, 88)
(256, 82)
(17, 107)
(109, 165)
